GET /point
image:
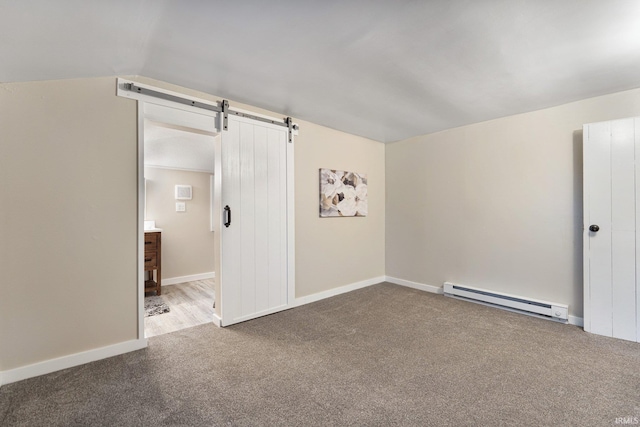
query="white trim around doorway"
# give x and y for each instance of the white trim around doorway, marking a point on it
(142, 99)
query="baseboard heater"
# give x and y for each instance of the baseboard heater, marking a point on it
(538, 308)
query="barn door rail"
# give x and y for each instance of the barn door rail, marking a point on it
(221, 107)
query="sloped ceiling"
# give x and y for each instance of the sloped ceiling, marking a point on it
(386, 70)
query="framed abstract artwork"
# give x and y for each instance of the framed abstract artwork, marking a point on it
(343, 193)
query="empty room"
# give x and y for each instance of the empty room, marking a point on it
(319, 213)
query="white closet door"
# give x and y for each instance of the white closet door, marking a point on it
(254, 245)
(610, 197)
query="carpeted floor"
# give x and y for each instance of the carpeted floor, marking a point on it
(383, 355)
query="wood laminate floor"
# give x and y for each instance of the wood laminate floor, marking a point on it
(191, 304)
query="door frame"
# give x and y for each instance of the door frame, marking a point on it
(141, 100)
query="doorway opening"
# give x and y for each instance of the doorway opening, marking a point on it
(178, 268)
(252, 203)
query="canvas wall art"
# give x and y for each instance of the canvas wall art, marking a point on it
(343, 193)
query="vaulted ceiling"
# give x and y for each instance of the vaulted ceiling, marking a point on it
(386, 70)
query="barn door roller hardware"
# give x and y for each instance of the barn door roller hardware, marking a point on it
(286, 122)
(225, 114)
(222, 108)
(291, 126)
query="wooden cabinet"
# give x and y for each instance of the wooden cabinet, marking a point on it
(152, 261)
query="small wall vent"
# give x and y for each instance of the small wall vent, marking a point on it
(183, 192)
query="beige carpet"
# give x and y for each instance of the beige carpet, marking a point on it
(384, 355)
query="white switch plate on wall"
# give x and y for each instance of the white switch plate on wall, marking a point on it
(181, 207)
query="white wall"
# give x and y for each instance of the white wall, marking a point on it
(67, 219)
(496, 204)
(187, 242)
(332, 252)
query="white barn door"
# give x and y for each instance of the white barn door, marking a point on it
(254, 220)
(611, 218)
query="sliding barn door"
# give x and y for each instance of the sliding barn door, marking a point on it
(254, 230)
(611, 221)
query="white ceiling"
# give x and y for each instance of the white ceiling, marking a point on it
(175, 147)
(387, 70)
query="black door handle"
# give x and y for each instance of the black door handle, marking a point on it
(227, 213)
(594, 228)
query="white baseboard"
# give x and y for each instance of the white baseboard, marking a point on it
(217, 320)
(64, 362)
(190, 278)
(317, 297)
(414, 285)
(336, 291)
(577, 321)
